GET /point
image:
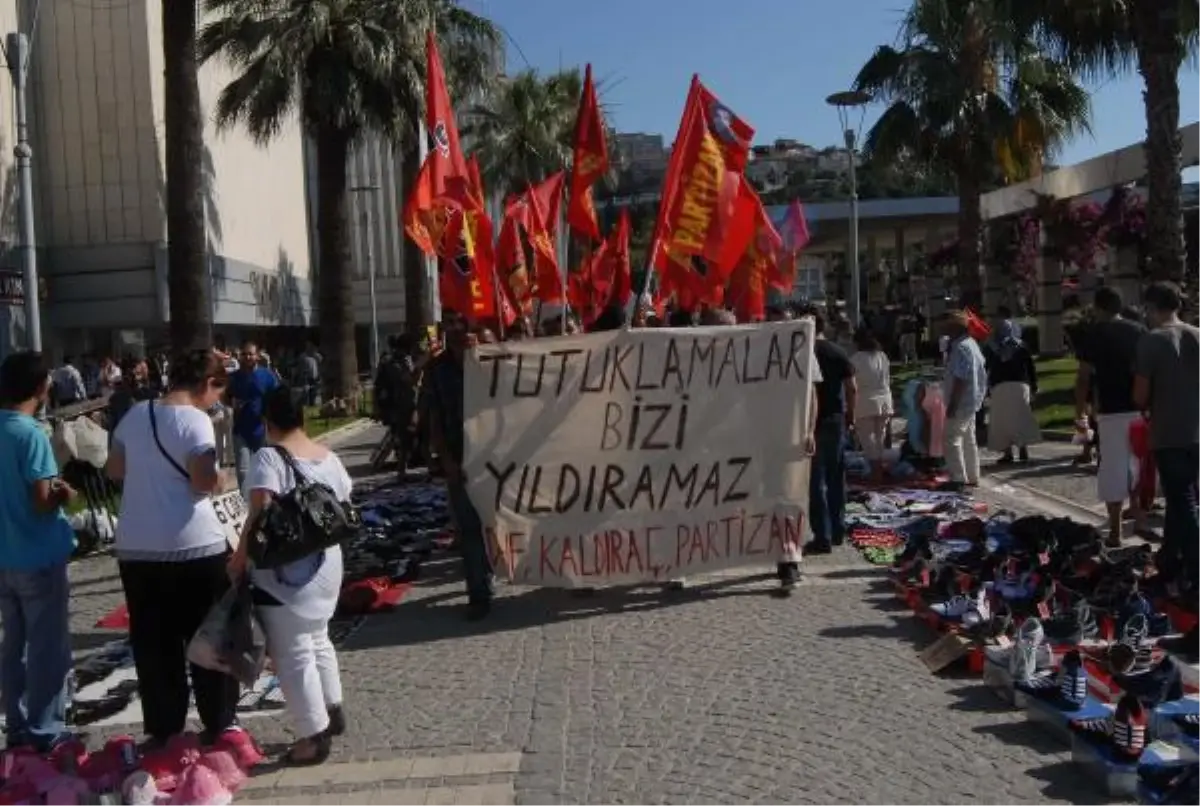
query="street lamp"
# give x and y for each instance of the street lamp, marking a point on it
(369, 254)
(845, 102)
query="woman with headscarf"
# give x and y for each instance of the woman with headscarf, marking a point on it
(1012, 381)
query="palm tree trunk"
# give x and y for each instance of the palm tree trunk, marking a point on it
(183, 126)
(335, 280)
(417, 316)
(970, 228)
(1160, 53)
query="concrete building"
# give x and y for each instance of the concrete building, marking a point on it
(96, 108)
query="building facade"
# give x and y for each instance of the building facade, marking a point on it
(96, 96)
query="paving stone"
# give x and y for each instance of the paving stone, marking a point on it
(721, 693)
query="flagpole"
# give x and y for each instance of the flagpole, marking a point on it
(565, 253)
(499, 301)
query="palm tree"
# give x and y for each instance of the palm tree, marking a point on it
(1104, 38)
(523, 132)
(967, 91)
(183, 126)
(347, 67)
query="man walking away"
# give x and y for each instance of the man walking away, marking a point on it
(247, 388)
(836, 391)
(1167, 385)
(1107, 355)
(310, 374)
(35, 543)
(445, 390)
(396, 397)
(964, 388)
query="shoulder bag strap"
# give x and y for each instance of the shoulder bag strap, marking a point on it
(290, 461)
(162, 450)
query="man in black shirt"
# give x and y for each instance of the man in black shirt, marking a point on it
(835, 393)
(1107, 358)
(445, 388)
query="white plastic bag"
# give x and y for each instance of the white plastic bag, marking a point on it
(230, 638)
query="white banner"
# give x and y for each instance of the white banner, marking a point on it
(638, 455)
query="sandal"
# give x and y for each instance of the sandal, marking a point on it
(321, 745)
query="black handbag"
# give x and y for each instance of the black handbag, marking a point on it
(305, 520)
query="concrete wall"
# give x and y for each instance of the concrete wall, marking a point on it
(96, 107)
(12, 317)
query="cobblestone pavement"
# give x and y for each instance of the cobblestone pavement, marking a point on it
(718, 693)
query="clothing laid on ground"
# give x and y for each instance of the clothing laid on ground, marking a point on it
(872, 373)
(1111, 349)
(1169, 358)
(303, 596)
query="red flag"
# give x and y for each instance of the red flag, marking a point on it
(748, 285)
(589, 163)
(702, 185)
(466, 282)
(610, 270)
(449, 173)
(444, 185)
(510, 263)
(547, 282)
(793, 231)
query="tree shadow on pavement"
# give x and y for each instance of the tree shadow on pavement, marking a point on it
(978, 699)
(1065, 782)
(905, 628)
(1029, 734)
(428, 619)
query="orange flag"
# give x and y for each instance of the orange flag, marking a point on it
(590, 161)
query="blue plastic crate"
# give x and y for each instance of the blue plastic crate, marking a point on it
(1117, 777)
(1057, 721)
(1161, 724)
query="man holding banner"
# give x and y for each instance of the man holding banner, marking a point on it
(445, 406)
(634, 456)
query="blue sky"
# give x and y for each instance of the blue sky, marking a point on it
(772, 61)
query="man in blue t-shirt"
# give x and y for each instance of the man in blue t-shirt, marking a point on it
(35, 543)
(247, 387)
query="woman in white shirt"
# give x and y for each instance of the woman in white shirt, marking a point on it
(296, 601)
(873, 405)
(171, 548)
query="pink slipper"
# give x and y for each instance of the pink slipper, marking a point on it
(68, 790)
(228, 772)
(238, 742)
(139, 789)
(199, 786)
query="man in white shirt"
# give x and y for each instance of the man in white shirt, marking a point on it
(964, 388)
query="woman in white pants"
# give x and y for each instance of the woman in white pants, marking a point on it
(296, 601)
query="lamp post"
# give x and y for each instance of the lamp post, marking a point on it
(845, 102)
(369, 254)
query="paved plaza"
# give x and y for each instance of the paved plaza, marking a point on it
(717, 693)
